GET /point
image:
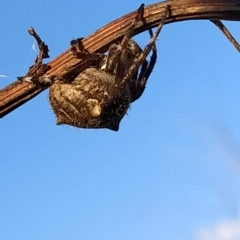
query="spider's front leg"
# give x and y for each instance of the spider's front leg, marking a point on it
(142, 57)
(141, 60)
(115, 51)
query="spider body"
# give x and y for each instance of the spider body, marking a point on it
(90, 100)
(99, 96)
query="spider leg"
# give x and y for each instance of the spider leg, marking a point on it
(121, 66)
(123, 45)
(138, 87)
(145, 52)
(78, 50)
(225, 31)
(111, 59)
(143, 70)
(147, 70)
(144, 77)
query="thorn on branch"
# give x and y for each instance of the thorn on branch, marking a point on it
(140, 12)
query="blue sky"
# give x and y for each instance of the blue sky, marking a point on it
(173, 169)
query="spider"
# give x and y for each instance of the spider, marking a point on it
(99, 96)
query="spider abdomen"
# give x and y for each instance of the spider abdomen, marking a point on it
(91, 100)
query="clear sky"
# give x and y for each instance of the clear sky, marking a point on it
(173, 169)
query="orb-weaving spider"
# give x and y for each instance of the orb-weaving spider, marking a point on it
(100, 96)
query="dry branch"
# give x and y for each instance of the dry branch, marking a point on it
(20, 92)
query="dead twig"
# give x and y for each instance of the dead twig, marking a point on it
(39, 68)
(20, 92)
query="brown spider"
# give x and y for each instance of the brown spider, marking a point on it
(100, 96)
